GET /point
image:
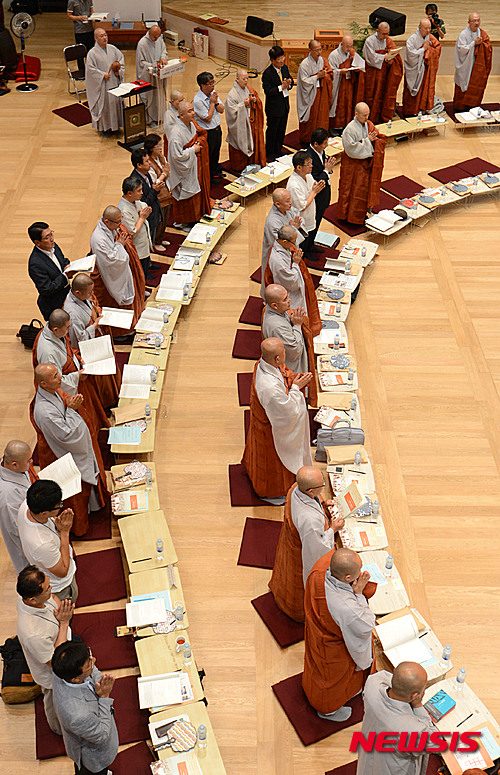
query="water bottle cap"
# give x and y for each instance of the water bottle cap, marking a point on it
(389, 556)
(448, 646)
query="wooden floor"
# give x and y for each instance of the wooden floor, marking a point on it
(291, 22)
(425, 331)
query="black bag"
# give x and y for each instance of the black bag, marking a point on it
(29, 332)
(25, 6)
(17, 682)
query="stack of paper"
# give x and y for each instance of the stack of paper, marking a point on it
(383, 221)
(144, 612)
(123, 89)
(172, 284)
(354, 248)
(286, 160)
(160, 690)
(151, 320)
(136, 381)
(98, 17)
(65, 473)
(98, 355)
(118, 318)
(198, 234)
(125, 434)
(326, 239)
(164, 595)
(85, 264)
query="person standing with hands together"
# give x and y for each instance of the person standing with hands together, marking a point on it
(85, 709)
(304, 190)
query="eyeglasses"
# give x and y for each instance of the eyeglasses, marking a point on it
(47, 236)
(318, 486)
(110, 221)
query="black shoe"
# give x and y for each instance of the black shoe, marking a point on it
(316, 249)
(127, 339)
(311, 257)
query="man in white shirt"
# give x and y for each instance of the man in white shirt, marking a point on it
(16, 475)
(135, 217)
(44, 531)
(303, 190)
(207, 108)
(42, 625)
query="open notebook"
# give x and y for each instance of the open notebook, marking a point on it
(401, 643)
(65, 473)
(98, 355)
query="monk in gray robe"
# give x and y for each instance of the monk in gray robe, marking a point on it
(104, 70)
(314, 92)
(284, 265)
(61, 429)
(282, 213)
(394, 702)
(171, 115)
(189, 169)
(348, 82)
(281, 321)
(150, 51)
(245, 124)
(16, 476)
(112, 259)
(50, 347)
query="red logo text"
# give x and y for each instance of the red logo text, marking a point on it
(408, 742)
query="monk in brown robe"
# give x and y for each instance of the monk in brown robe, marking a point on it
(118, 274)
(67, 436)
(85, 313)
(338, 633)
(278, 440)
(57, 328)
(348, 85)
(188, 157)
(422, 52)
(473, 48)
(308, 532)
(314, 92)
(245, 124)
(383, 73)
(361, 167)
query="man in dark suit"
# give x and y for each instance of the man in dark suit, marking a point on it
(142, 165)
(276, 82)
(45, 267)
(322, 167)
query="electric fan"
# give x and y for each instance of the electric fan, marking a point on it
(23, 26)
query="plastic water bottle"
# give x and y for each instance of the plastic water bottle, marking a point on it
(202, 736)
(117, 17)
(388, 566)
(148, 478)
(114, 21)
(389, 124)
(165, 318)
(369, 504)
(376, 508)
(347, 268)
(419, 119)
(363, 251)
(207, 240)
(459, 684)
(443, 191)
(179, 616)
(337, 310)
(353, 404)
(148, 414)
(242, 185)
(185, 292)
(336, 342)
(157, 345)
(444, 662)
(357, 458)
(188, 660)
(159, 550)
(197, 257)
(474, 181)
(222, 216)
(350, 376)
(152, 377)
(271, 172)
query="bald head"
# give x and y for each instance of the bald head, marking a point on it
(186, 112)
(383, 27)
(58, 319)
(346, 44)
(242, 78)
(345, 565)
(44, 373)
(17, 456)
(111, 213)
(309, 478)
(282, 199)
(273, 351)
(287, 233)
(176, 98)
(101, 36)
(425, 26)
(474, 21)
(154, 32)
(81, 282)
(362, 112)
(275, 293)
(408, 681)
(315, 49)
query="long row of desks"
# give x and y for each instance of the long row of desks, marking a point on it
(159, 653)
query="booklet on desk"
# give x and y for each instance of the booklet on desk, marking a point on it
(384, 220)
(129, 502)
(401, 643)
(124, 434)
(439, 705)
(65, 473)
(151, 320)
(183, 764)
(326, 239)
(141, 613)
(136, 381)
(98, 355)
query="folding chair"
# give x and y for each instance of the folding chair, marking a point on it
(71, 54)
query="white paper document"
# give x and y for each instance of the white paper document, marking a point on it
(144, 612)
(118, 318)
(400, 641)
(151, 320)
(98, 17)
(176, 279)
(183, 262)
(85, 264)
(169, 294)
(159, 690)
(65, 473)
(384, 220)
(123, 89)
(198, 233)
(98, 355)
(136, 381)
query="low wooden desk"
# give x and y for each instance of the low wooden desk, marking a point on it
(229, 216)
(120, 36)
(154, 395)
(155, 581)
(153, 498)
(206, 246)
(147, 444)
(388, 597)
(209, 758)
(142, 356)
(158, 655)
(139, 534)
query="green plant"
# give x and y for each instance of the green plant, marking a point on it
(359, 35)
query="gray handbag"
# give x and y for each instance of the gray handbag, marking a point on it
(337, 437)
